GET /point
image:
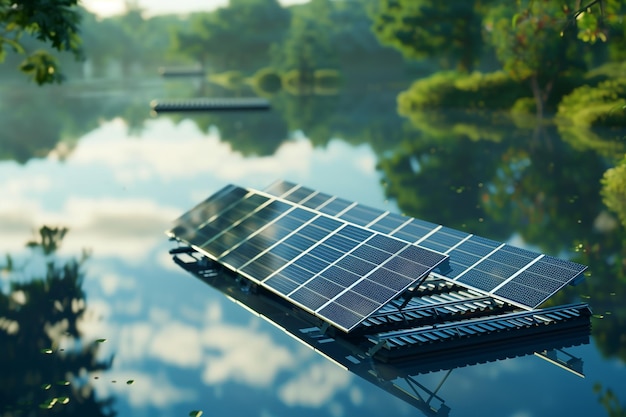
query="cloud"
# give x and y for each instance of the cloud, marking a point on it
(315, 386)
(112, 282)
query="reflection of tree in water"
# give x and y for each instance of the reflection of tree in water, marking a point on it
(543, 190)
(444, 182)
(609, 401)
(44, 363)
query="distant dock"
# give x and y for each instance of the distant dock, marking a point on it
(210, 104)
(181, 72)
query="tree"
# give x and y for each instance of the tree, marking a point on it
(238, 36)
(430, 28)
(54, 23)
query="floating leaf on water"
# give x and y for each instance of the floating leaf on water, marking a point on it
(130, 382)
(46, 351)
(46, 386)
(598, 316)
(64, 400)
(114, 381)
(62, 382)
(195, 413)
(101, 340)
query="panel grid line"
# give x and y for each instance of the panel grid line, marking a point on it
(279, 241)
(477, 262)
(376, 219)
(215, 216)
(346, 209)
(365, 276)
(465, 239)
(260, 207)
(518, 272)
(427, 235)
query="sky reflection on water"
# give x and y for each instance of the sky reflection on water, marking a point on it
(185, 345)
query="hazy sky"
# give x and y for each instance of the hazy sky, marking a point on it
(152, 7)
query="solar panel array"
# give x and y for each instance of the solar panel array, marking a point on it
(339, 271)
(512, 274)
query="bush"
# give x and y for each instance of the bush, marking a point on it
(453, 90)
(267, 81)
(603, 105)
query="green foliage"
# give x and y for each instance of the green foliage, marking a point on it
(267, 81)
(233, 80)
(463, 91)
(430, 28)
(51, 22)
(603, 105)
(238, 36)
(614, 190)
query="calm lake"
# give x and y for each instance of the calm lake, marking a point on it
(89, 156)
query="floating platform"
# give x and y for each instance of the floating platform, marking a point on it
(383, 295)
(181, 72)
(210, 104)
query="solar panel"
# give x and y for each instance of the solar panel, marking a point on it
(332, 268)
(518, 276)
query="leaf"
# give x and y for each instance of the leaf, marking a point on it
(195, 413)
(515, 19)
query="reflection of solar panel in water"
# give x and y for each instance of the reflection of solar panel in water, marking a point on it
(338, 271)
(515, 275)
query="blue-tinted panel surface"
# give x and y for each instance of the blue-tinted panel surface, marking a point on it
(311, 263)
(374, 291)
(279, 188)
(355, 265)
(340, 276)
(210, 207)
(335, 206)
(558, 271)
(281, 284)
(361, 215)
(316, 200)
(324, 287)
(386, 244)
(357, 303)
(355, 233)
(371, 254)
(422, 256)
(390, 279)
(340, 243)
(298, 194)
(340, 315)
(326, 253)
(480, 280)
(522, 294)
(413, 231)
(536, 281)
(388, 223)
(296, 274)
(309, 299)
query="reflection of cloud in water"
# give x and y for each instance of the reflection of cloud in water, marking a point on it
(316, 385)
(123, 228)
(243, 355)
(147, 389)
(180, 151)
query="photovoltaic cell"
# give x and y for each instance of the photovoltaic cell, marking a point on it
(335, 206)
(388, 223)
(298, 194)
(317, 200)
(361, 215)
(339, 270)
(279, 188)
